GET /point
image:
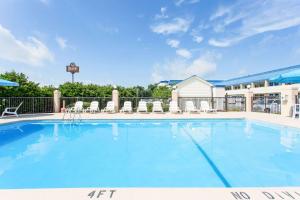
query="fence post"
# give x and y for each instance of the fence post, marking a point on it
(226, 103)
(56, 101)
(32, 104)
(288, 101)
(175, 95)
(249, 96)
(115, 99)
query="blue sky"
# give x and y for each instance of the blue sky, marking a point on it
(137, 42)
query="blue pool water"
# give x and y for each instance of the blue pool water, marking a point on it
(148, 153)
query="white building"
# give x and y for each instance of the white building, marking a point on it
(264, 95)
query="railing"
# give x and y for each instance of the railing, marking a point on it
(30, 104)
(149, 100)
(220, 103)
(45, 104)
(297, 99)
(70, 101)
(266, 104)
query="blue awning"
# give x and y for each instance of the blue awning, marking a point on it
(289, 77)
(7, 83)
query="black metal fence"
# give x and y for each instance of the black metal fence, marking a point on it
(297, 99)
(29, 105)
(149, 100)
(228, 103)
(70, 101)
(266, 104)
(45, 104)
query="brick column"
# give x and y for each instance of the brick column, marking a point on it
(175, 95)
(266, 84)
(56, 101)
(249, 96)
(115, 99)
(287, 101)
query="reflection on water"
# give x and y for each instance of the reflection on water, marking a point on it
(103, 149)
(115, 131)
(55, 131)
(201, 131)
(288, 139)
(248, 129)
(11, 133)
(174, 130)
(41, 146)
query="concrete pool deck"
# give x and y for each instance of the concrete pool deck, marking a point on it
(271, 118)
(156, 193)
(291, 193)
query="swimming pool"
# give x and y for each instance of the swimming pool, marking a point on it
(148, 153)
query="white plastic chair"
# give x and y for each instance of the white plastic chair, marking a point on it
(190, 107)
(296, 111)
(142, 107)
(173, 107)
(205, 107)
(157, 107)
(127, 107)
(12, 110)
(78, 107)
(110, 107)
(94, 107)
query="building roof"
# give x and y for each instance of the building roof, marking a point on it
(243, 79)
(259, 76)
(194, 77)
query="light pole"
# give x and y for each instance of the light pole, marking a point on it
(72, 68)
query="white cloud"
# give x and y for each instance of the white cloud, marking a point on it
(173, 43)
(62, 42)
(197, 38)
(202, 66)
(184, 53)
(220, 43)
(180, 2)
(177, 25)
(248, 18)
(31, 52)
(221, 11)
(162, 14)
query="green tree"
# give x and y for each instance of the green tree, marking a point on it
(80, 90)
(26, 88)
(161, 91)
(29, 88)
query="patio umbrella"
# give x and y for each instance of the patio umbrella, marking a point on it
(7, 83)
(288, 77)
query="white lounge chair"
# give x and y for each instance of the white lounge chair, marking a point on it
(94, 107)
(12, 110)
(296, 111)
(157, 108)
(127, 107)
(142, 107)
(189, 107)
(173, 108)
(205, 107)
(110, 107)
(77, 108)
